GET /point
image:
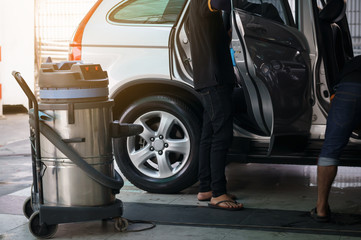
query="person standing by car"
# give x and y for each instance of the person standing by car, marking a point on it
(344, 116)
(214, 79)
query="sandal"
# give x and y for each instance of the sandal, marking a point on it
(317, 218)
(217, 205)
(232, 196)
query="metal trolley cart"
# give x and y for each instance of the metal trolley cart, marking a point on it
(72, 161)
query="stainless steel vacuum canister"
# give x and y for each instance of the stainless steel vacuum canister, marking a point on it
(74, 98)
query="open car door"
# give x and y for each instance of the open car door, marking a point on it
(273, 64)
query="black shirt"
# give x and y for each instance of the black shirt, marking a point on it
(211, 58)
(351, 72)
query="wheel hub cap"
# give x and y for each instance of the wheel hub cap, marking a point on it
(158, 145)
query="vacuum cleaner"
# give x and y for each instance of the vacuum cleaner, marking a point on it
(71, 131)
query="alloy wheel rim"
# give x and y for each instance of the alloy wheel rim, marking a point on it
(163, 148)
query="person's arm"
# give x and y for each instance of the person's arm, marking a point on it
(210, 7)
(215, 5)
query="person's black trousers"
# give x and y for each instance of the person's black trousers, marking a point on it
(216, 138)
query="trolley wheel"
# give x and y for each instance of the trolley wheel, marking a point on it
(28, 208)
(41, 230)
(121, 224)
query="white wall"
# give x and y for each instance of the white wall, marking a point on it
(17, 48)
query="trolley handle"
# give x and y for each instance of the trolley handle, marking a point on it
(35, 114)
(32, 101)
(25, 87)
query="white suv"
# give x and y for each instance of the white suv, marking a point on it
(285, 80)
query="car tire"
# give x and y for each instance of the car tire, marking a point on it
(164, 157)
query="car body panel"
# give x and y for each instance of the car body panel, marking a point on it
(129, 51)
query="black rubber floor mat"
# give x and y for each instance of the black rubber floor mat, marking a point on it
(248, 218)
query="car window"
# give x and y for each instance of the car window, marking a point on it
(147, 11)
(271, 9)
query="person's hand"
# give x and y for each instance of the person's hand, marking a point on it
(230, 33)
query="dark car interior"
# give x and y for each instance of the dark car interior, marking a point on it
(241, 113)
(264, 9)
(336, 47)
(336, 39)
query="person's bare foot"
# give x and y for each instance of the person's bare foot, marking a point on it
(225, 202)
(206, 196)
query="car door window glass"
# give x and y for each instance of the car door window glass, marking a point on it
(271, 9)
(147, 11)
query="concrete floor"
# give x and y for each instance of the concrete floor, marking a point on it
(258, 186)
